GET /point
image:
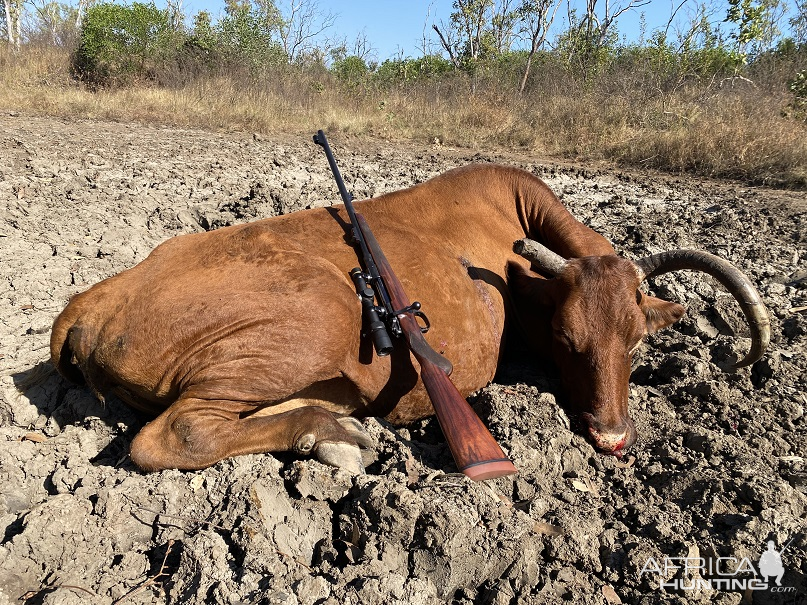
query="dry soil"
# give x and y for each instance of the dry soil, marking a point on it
(719, 469)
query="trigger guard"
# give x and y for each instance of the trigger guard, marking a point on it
(422, 315)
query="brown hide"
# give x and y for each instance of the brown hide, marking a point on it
(264, 318)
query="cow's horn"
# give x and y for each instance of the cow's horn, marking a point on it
(540, 256)
(734, 280)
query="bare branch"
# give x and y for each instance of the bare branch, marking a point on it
(303, 20)
(448, 47)
(425, 43)
(672, 17)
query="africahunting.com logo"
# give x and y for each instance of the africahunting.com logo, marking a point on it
(696, 573)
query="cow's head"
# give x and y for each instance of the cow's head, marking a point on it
(600, 316)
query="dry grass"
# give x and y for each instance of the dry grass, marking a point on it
(738, 132)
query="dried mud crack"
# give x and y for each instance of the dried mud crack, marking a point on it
(718, 472)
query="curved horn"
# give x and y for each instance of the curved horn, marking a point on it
(734, 280)
(540, 256)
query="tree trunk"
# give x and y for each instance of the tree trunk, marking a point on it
(9, 23)
(526, 73)
(18, 27)
(79, 15)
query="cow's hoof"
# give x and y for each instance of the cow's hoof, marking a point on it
(356, 430)
(341, 455)
(305, 444)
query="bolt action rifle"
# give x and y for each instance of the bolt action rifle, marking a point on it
(475, 451)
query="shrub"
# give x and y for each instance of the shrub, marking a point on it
(351, 70)
(120, 43)
(402, 71)
(798, 86)
(246, 35)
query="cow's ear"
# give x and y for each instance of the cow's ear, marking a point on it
(526, 285)
(659, 313)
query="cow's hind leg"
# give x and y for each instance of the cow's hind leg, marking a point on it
(194, 434)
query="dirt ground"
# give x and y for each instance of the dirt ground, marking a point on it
(719, 469)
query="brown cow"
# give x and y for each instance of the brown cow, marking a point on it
(247, 339)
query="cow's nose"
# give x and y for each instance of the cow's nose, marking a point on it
(609, 443)
(612, 440)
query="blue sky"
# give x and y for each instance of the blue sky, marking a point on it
(391, 26)
(395, 27)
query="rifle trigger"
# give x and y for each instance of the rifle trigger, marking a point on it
(414, 309)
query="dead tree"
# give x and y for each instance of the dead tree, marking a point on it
(13, 16)
(536, 17)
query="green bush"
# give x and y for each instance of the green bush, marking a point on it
(798, 86)
(351, 70)
(247, 35)
(120, 43)
(401, 71)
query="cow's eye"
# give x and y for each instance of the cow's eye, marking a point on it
(563, 337)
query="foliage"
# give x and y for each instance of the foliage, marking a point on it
(798, 86)
(492, 80)
(249, 33)
(204, 36)
(350, 70)
(403, 71)
(748, 18)
(53, 23)
(584, 48)
(669, 68)
(119, 43)
(798, 22)
(481, 31)
(755, 25)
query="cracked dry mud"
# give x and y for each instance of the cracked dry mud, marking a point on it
(718, 471)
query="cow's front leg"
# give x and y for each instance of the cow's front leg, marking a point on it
(194, 434)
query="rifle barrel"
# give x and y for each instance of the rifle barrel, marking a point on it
(378, 330)
(321, 140)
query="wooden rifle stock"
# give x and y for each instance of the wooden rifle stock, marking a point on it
(475, 451)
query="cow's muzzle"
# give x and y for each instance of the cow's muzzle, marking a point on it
(611, 439)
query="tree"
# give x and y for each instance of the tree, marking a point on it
(13, 19)
(756, 23)
(536, 20)
(119, 42)
(51, 22)
(351, 70)
(503, 26)
(177, 12)
(589, 36)
(81, 8)
(248, 32)
(798, 22)
(301, 22)
(464, 37)
(598, 28)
